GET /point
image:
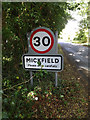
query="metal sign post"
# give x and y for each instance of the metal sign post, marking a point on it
(31, 74)
(56, 35)
(56, 81)
(43, 48)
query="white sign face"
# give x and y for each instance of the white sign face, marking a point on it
(37, 62)
(41, 40)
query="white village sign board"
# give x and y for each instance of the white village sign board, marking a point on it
(44, 62)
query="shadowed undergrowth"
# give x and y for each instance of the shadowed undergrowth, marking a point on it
(44, 100)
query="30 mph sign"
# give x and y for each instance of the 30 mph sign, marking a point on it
(42, 40)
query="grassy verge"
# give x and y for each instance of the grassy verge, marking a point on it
(77, 94)
(44, 100)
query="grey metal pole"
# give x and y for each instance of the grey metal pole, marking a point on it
(32, 78)
(56, 82)
(56, 35)
(27, 34)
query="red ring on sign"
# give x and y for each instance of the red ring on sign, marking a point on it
(52, 40)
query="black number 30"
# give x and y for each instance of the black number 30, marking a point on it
(38, 43)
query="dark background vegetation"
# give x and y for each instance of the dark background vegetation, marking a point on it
(18, 19)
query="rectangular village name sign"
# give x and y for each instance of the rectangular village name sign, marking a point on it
(42, 51)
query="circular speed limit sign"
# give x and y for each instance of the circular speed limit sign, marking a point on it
(42, 40)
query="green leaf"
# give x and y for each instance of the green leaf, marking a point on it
(4, 115)
(39, 63)
(17, 77)
(61, 96)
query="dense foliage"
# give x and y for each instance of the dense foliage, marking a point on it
(18, 19)
(22, 18)
(81, 36)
